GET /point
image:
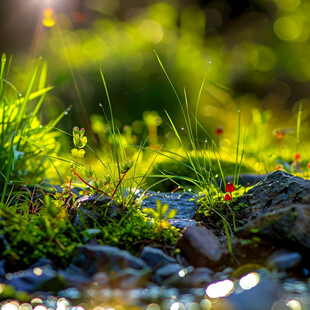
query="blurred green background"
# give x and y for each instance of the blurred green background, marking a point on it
(253, 53)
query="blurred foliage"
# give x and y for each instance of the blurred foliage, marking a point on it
(26, 146)
(257, 59)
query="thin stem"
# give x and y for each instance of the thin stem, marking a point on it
(119, 182)
(97, 189)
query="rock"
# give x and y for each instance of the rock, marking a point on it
(43, 263)
(74, 277)
(190, 278)
(284, 260)
(289, 226)
(155, 258)
(2, 270)
(200, 246)
(277, 191)
(182, 223)
(93, 207)
(102, 258)
(31, 281)
(130, 278)
(70, 293)
(186, 208)
(165, 272)
(168, 270)
(100, 278)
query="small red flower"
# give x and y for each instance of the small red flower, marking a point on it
(277, 167)
(227, 197)
(309, 164)
(230, 187)
(219, 131)
(280, 135)
(297, 157)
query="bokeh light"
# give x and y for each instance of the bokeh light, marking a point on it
(286, 28)
(153, 306)
(48, 17)
(220, 289)
(177, 306)
(249, 281)
(206, 304)
(294, 304)
(11, 305)
(37, 271)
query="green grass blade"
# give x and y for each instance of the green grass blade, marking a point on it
(9, 168)
(24, 103)
(298, 127)
(238, 142)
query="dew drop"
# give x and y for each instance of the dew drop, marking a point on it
(66, 113)
(210, 61)
(206, 140)
(182, 128)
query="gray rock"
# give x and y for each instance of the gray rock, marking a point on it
(155, 258)
(290, 225)
(30, 282)
(284, 260)
(190, 278)
(2, 270)
(165, 272)
(168, 270)
(74, 276)
(186, 209)
(92, 207)
(182, 223)
(200, 246)
(100, 278)
(101, 258)
(277, 191)
(130, 278)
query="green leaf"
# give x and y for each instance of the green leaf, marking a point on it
(126, 166)
(161, 209)
(151, 212)
(16, 156)
(171, 214)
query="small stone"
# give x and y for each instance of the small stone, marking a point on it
(31, 281)
(168, 270)
(182, 223)
(130, 278)
(155, 258)
(103, 258)
(284, 260)
(100, 278)
(200, 246)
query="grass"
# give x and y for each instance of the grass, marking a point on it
(25, 143)
(119, 173)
